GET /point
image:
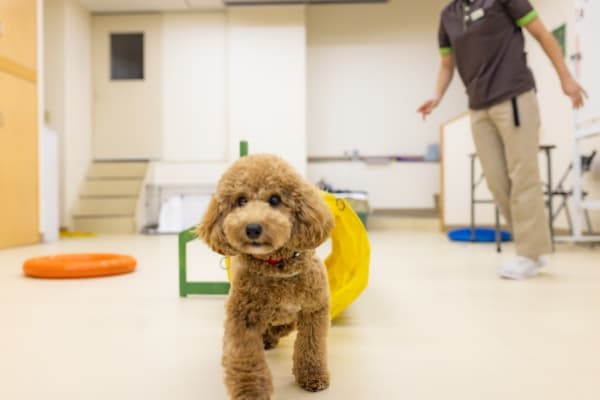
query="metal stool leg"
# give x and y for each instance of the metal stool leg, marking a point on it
(588, 221)
(569, 219)
(472, 198)
(550, 197)
(498, 233)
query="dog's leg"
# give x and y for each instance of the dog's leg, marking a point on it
(310, 350)
(274, 333)
(247, 376)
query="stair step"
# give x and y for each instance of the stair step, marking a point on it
(122, 225)
(100, 215)
(112, 187)
(111, 178)
(116, 170)
(106, 206)
(108, 196)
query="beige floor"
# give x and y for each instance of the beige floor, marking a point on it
(435, 323)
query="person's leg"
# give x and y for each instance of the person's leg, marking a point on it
(521, 144)
(490, 150)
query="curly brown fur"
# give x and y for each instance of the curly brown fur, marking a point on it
(268, 299)
(275, 332)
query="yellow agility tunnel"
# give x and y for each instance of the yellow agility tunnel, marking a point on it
(348, 263)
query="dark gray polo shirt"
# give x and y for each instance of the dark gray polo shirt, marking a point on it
(487, 41)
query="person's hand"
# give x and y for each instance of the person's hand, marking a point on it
(427, 107)
(575, 92)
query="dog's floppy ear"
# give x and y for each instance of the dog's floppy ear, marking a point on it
(313, 220)
(210, 229)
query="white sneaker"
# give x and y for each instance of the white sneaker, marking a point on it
(542, 262)
(520, 268)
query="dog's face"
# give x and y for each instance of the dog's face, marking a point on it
(262, 205)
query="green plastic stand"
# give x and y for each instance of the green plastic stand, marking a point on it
(186, 287)
(243, 148)
(188, 235)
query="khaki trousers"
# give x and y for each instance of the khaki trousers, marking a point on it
(509, 157)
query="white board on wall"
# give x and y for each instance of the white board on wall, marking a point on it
(456, 177)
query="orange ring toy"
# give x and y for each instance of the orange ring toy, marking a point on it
(86, 265)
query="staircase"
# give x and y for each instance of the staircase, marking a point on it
(108, 200)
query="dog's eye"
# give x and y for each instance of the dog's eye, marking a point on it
(274, 200)
(241, 201)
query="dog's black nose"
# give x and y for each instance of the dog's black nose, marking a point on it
(253, 231)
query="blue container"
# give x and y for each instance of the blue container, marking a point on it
(483, 235)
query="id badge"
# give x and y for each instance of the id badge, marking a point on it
(477, 14)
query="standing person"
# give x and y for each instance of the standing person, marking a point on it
(484, 39)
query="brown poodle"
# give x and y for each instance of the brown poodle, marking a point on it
(270, 220)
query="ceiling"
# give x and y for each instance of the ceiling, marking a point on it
(124, 6)
(102, 6)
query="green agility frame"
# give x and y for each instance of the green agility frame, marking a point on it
(189, 235)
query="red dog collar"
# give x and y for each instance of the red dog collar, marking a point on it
(281, 261)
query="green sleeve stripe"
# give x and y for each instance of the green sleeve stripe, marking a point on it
(445, 50)
(527, 18)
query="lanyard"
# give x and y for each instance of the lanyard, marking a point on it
(466, 11)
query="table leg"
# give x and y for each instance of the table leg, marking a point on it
(550, 197)
(472, 198)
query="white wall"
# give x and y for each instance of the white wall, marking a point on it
(78, 121)
(557, 115)
(398, 185)
(555, 107)
(193, 87)
(53, 41)
(267, 81)
(68, 93)
(54, 76)
(369, 68)
(49, 207)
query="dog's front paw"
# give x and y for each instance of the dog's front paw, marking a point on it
(256, 396)
(251, 383)
(251, 394)
(314, 382)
